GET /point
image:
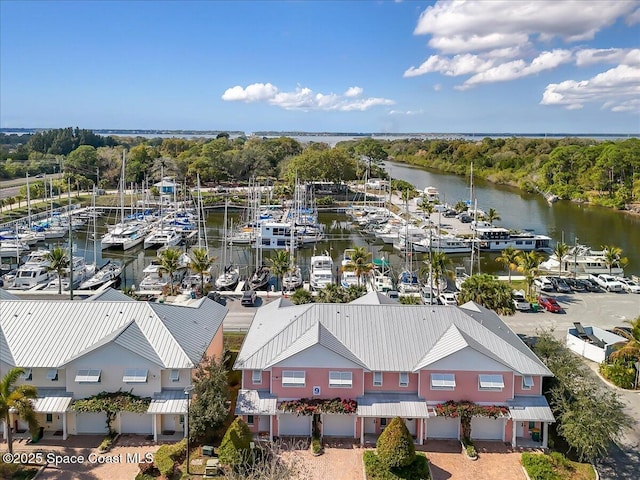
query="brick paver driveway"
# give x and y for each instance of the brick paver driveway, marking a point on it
(495, 461)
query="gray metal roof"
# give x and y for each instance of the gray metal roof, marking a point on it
(110, 295)
(52, 401)
(256, 402)
(530, 409)
(374, 298)
(4, 295)
(391, 405)
(382, 337)
(5, 353)
(169, 401)
(39, 333)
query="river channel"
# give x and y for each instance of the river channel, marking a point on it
(564, 220)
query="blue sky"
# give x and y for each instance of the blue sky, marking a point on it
(361, 66)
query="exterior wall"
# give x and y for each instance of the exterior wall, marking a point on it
(316, 377)
(113, 360)
(467, 387)
(55, 425)
(317, 356)
(535, 390)
(39, 379)
(508, 432)
(247, 380)
(184, 379)
(391, 383)
(216, 347)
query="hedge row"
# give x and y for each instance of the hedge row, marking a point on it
(376, 469)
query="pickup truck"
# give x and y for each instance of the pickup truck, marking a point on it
(607, 282)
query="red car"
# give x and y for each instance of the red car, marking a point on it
(550, 304)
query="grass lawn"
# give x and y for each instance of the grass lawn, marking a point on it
(233, 341)
(556, 466)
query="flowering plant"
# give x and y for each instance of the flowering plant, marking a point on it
(466, 409)
(309, 406)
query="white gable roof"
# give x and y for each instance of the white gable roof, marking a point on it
(383, 337)
(45, 334)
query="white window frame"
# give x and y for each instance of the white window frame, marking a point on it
(88, 375)
(52, 374)
(174, 375)
(377, 383)
(527, 382)
(256, 377)
(251, 420)
(27, 376)
(443, 381)
(293, 378)
(400, 382)
(492, 383)
(135, 375)
(340, 379)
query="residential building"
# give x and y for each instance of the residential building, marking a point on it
(393, 360)
(75, 349)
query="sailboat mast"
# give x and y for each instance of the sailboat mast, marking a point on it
(70, 242)
(224, 234)
(28, 203)
(122, 186)
(95, 235)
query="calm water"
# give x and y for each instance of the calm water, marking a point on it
(593, 226)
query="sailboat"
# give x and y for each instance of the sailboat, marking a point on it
(110, 271)
(228, 279)
(262, 274)
(408, 280)
(292, 279)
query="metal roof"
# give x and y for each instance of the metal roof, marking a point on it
(4, 295)
(40, 333)
(530, 409)
(110, 295)
(383, 337)
(256, 402)
(52, 401)
(374, 298)
(169, 401)
(392, 405)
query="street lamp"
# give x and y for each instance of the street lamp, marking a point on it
(187, 391)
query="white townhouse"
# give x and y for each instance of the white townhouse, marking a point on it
(75, 349)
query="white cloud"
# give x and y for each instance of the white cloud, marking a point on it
(591, 56)
(618, 89)
(253, 93)
(519, 68)
(633, 18)
(437, 87)
(303, 98)
(353, 92)
(472, 26)
(406, 112)
(458, 65)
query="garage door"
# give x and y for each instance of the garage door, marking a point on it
(483, 428)
(442, 427)
(338, 426)
(139, 423)
(91, 423)
(294, 425)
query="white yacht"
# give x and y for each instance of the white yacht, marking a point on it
(81, 271)
(292, 280)
(108, 272)
(348, 276)
(12, 248)
(408, 282)
(275, 235)
(497, 239)
(581, 259)
(445, 243)
(321, 271)
(155, 278)
(34, 271)
(162, 237)
(125, 235)
(228, 279)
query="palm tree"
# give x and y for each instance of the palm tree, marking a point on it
(560, 251)
(200, 262)
(426, 206)
(17, 399)
(613, 256)
(528, 263)
(301, 296)
(630, 351)
(492, 215)
(332, 293)
(509, 257)
(280, 264)
(439, 267)
(360, 263)
(170, 263)
(460, 206)
(58, 261)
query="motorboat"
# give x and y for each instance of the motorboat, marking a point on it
(124, 236)
(162, 237)
(80, 272)
(260, 278)
(110, 271)
(228, 279)
(581, 259)
(445, 243)
(321, 271)
(155, 278)
(292, 280)
(12, 248)
(348, 274)
(497, 239)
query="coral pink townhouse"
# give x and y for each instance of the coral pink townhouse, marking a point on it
(345, 370)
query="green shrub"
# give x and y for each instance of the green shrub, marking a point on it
(395, 445)
(167, 456)
(316, 446)
(376, 469)
(105, 444)
(471, 451)
(235, 446)
(560, 460)
(620, 373)
(539, 467)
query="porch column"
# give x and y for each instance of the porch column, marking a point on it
(514, 425)
(421, 430)
(5, 430)
(64, 425)
(361, 430)
(155, 427)
(271, 428)
(545, 434)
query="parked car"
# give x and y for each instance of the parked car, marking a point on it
(559, 285)
(608, 282)
(589, 285)
(464, 218)
(575, 285)
(447, 299)
(449, 213)
(544, 284)
(629, 285)
(519, 302)
(248, 298)
(549, 304)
